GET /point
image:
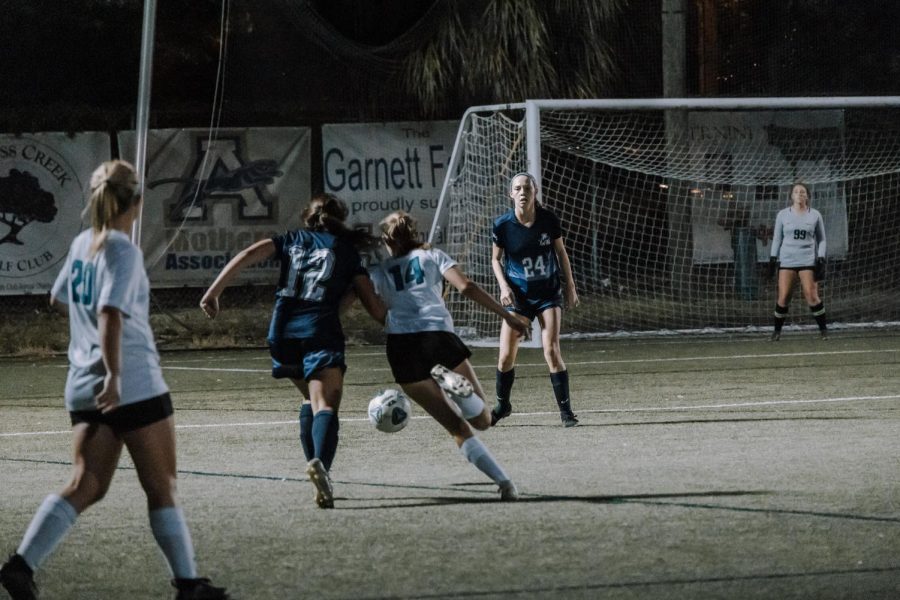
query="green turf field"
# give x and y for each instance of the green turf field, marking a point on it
(703, 468)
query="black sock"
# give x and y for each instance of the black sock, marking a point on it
(504, 384)
(780, 315)
(560, 383)
(306, 439)
(818, 312)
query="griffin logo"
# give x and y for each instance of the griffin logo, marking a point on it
(231, 179)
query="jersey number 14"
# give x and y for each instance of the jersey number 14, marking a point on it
(408, 272)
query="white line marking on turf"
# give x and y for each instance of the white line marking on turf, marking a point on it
(592, 362)
(528, 414)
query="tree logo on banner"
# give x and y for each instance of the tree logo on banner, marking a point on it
(40, 207)
(232, 179)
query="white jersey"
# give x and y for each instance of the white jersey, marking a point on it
(799, 238)
(411, 286)
(114, 277)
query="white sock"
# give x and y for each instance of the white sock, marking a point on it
(470, 406)
(478, 454)
(171, 532)
(50, 524)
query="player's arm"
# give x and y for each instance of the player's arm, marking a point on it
(820, 237)
(777, 237)
(506, 295)
(109, 327)
(347, 301)
(562, 257)
(365, 290)
(59, 305)
(251, 255)
(476, 293)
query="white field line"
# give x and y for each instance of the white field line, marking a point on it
(595, 362)
(530, 414)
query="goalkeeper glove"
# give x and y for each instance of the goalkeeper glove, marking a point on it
(773, 267)
(819, 271)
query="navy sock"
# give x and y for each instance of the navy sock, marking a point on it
(306, 437)
(504, 384)
(325, 428)
(560, 383)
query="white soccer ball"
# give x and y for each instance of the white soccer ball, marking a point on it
(389, 411)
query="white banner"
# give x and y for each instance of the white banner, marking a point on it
(377, 168)
(207, 198)
(44, 179)
(718, 212)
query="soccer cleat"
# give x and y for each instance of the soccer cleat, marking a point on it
(500, 411)
(198, 589)
(568, 419)
(775, 337)
(824, 335)
(508, 492)
(17, 578)
(319, 477)
(451, 382)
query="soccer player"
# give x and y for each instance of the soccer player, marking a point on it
(319, 265)
(532, 267)
(798, 252)
(422, 344)
(115, 392)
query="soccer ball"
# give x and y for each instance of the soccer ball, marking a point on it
(389, 411)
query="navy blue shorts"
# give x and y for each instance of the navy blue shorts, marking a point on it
(411, 355)
(303, 358)
(129, 416)
(532, 307)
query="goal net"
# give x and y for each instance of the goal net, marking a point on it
(668, 206)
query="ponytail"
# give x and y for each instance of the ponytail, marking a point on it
(327, 212)
(399, 231)
(113, 192)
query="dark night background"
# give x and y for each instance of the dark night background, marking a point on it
(74, 65)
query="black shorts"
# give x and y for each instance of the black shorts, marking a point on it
(130, 416)
(411, 355)
(796, 269)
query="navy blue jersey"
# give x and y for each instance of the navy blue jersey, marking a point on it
(529, 258)
(317, 268)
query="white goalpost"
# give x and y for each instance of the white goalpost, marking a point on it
(668, 205)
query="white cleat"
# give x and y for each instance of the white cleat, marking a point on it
(451, 382)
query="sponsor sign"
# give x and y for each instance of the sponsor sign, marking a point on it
(44, 180)
(207, 197)
(379, 168)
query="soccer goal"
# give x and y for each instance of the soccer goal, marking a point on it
(668, 206)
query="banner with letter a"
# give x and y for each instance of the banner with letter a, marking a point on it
(209, 196)
(377, 168)
(44, 182)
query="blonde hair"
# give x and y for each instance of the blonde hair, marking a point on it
(114, 190)
(400, 232)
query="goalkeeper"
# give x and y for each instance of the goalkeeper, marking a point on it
(532, 267)
(798, 252)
